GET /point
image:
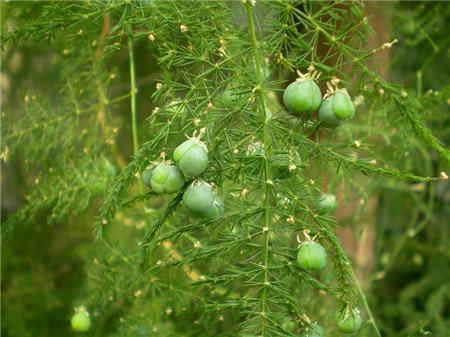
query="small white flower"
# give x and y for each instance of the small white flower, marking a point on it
(183, 28)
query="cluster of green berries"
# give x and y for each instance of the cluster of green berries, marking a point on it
(304, 96)
(191, 158)
(313, 256)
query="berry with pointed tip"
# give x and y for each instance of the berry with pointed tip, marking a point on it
(81, 321)
(349, 322)
(166, 179)
(199, 198)
(312, 256)
(302, 96)
(192, 157)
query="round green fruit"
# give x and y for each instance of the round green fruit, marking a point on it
(199, 198)
(327, 203)
(302, 96)
(349, 322)
(312, 256)
(314, 330)
(343, 106)
(166, 179)
(81, 321)
(147, 177)
(217, 208)
(192, 157)
(327, 116)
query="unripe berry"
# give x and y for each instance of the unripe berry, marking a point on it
(199, 198)
(314, 330)
(302, 96)
(343, 106)
(349, 321)
(81, 321)
(217, 208)
(336, 108)
(192, 157)
(166, 179)
(327, 116)
(312, 256)
(147, 177)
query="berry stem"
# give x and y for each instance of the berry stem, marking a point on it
(266, 141)
(365, 303)
(133, 103)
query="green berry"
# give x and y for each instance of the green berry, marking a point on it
(217, 208)
(312, 255)
(343, 106)
(166, 179)
(302, 96)
(336, 108)
(349, 322)
(81, 321)
(192, 157)
(147, 177)
(199, 198)
(327, 203)
(326, 114)
(313, 330)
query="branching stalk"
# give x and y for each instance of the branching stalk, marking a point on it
(267, 181)
(133, 103)
(365, 303)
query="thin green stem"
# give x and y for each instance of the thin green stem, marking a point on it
(365, 303)
(267, 183)
(133, 103)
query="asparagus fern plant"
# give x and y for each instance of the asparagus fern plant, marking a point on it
(219, 68)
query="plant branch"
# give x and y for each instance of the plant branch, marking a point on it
(259, 89)
(133, 103)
